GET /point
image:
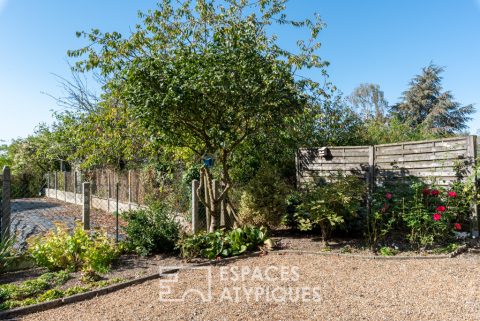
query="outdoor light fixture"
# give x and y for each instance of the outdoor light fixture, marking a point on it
(323, 152)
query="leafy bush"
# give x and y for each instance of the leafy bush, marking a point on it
(151, 230)
(80, 250)
(387, 251)
(423, 215)
(6, 248)
(383, 216)
(222, 243)
(327, 205)
(263, 199)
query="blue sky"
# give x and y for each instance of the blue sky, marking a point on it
(378, 41)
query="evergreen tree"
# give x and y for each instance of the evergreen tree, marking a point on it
(427, 106)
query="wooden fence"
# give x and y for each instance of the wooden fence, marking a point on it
(438, 162)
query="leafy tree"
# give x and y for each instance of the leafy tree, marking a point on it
(207, 76)
(370, 101)
(426, 105)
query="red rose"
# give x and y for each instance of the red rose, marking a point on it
(457, 226)
(434, 192)
(388, 196)
(441, 208)
(426, 191)
(437, 216)
(452, 194)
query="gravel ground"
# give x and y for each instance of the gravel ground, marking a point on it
(334, 288)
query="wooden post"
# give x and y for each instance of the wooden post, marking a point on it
(55, 183)
(6, 207)
(208, 215)
(129, 190)
(195, 222)
(65, 186)
(370, 181)
(47, 191)
(472, 155)
(86, 206)
(108, 191)
(75, 182)
(222, 209)
(215, 216)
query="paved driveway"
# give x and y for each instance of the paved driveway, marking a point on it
(31, 216)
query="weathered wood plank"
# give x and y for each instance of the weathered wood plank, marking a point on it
(399, 151)
(422, 157)
(422, 164)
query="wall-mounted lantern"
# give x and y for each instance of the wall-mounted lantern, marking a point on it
(323, 152)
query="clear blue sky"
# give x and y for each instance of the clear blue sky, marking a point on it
(378, 41)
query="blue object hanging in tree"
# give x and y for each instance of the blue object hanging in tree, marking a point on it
(208, 161)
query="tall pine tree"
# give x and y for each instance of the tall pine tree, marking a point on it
(426, 105)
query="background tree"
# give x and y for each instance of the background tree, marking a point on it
(425, 105)
(207, 76)
(369, 101)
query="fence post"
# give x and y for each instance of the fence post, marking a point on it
(47, 190)
(195, 222)
(75, 182)
(6, 208)
(55, 183)
(129, 189)
(116, 211)
(472, 155)
(108, 191)
(86, 206)
(223, 221)
(207, 209)
(65, 186)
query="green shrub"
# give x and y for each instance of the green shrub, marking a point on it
(387, 251)
(223, 243)
(327, 205)
(151, 230)
(263, 200)
(6, 249)
(79, 250)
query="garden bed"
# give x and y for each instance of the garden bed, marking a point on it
(128, 267)
(288, 240)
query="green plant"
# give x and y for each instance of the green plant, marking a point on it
(44, 288)
(326, 205)
(222, 243)
(6, 249)
(382, 217)
(77, 250)
(263, 199)
(293, 200)
(151, 230)
(451, 247)
(387, 251)
(420, 215)
(18, 292)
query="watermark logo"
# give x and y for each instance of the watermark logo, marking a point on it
(280, 284)
(169, 277)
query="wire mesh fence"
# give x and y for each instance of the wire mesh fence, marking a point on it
(37, 206)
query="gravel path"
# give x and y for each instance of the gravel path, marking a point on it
(31, 216)
(340, 289)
